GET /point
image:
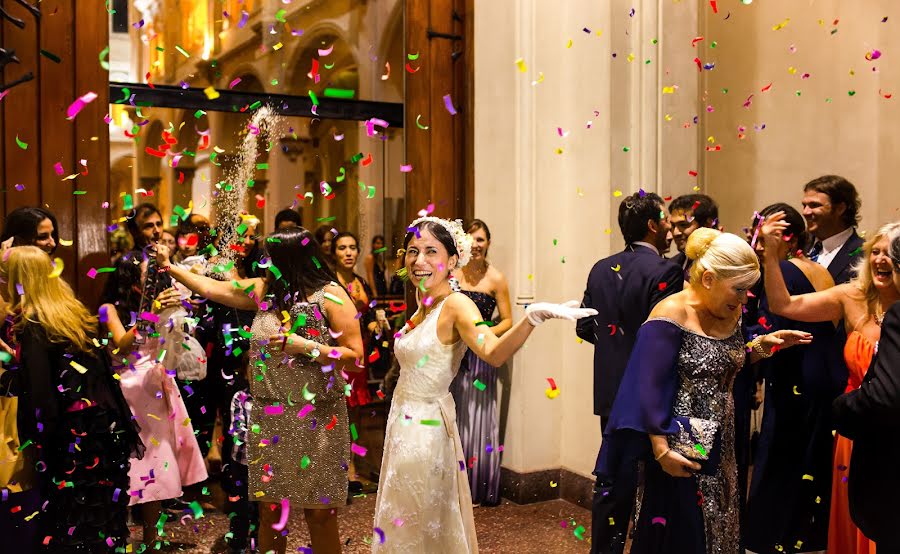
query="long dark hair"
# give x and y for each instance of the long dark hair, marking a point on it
(22, 223)
(298, 266)
(123, 287)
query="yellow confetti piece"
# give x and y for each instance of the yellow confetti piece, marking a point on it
(668, 117)
(66, 242)
(278, 46)
(612, 521)
(617, 193)
(781, 25)
(553, 484)
(58, 266)
(795, 390)
(696, 188)
(792, 70)
(808, 477)
(540, 78)
(153, 441)
(608, 231)
(78, 367)
(552, 393)
(630, 57)
(668, 90)
(154, 416)
(520, 63)
(29, 518)
(559, 150)
(616, 267)
(569, 44)
(531, 277)
(186, 422)
(710, 139)
(211, 92)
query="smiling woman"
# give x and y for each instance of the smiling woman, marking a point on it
(32, 227)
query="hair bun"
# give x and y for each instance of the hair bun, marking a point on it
(699, 241)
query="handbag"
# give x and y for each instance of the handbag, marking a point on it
(16, 471)
(698, 440)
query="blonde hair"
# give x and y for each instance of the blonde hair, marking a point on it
(863, 267)
(44, 300)
(727, 256)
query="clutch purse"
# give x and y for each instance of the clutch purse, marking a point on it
(698, 440)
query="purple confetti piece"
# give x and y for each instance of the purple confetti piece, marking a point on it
(448, 103)
(244, 17)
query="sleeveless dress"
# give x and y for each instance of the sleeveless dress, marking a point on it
(172, 459)
(424, 503)
(299, 441)
(476, 415)
(676, 372)
(843, 535)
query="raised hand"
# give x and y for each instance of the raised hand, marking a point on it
(162, 255)
(542, 311)
(169, 298)
(772, 229)
(677, 465)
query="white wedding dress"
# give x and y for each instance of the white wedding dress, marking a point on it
(424, 503)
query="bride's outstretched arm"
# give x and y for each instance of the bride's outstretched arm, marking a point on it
(496, 351)
(234, 294)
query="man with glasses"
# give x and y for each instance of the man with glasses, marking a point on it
(687, 213)
(831, 209)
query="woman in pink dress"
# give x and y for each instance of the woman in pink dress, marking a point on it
(172, 459)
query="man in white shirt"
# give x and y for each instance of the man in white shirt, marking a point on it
(831, 208)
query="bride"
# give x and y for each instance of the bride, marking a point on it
(424, 503)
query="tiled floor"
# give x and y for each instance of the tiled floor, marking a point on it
(546, 527)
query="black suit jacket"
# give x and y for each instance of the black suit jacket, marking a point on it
(623, 288)
(870, 416)
(841, 267)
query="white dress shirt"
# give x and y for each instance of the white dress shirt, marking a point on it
(648, 245)
(832, 245)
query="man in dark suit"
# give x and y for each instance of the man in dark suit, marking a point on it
(870, 415)
(831, 208)
(688, 213)
(623, 288)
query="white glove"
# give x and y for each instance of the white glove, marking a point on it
(542, 311)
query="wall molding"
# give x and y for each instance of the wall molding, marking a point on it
(535, 486)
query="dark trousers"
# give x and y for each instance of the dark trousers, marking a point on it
(612, 507)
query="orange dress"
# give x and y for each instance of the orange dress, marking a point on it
(843, 536)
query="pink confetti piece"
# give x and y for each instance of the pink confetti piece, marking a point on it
(79, 104)
(448, 103)
(92, 273)
(326, 51)
(406, 168)
(285, 511)
(58, 168)
(304, 411)
(358, 450)
(150, 316)
(234, 83)
(274, 410)
(659, 520)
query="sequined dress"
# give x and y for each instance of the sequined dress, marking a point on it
(299, 445)
(675, 371)
(476, 415)
(424, 503)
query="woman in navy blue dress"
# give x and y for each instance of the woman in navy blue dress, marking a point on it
(475, 387)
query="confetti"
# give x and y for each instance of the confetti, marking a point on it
(448, 103)
(23, 145)
(285, 512)
(79, 104)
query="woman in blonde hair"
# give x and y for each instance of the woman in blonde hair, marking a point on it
(674, 412)
(861, 303)
(72, 414)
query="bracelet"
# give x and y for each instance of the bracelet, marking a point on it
(663, 455)
(757, 347)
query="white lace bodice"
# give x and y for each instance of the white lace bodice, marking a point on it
(427, 366)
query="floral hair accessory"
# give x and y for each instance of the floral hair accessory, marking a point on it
(461, 239)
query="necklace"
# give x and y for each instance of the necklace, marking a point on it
(879, 315)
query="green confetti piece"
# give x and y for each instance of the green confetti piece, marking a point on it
(317, 263)
(241, 229)
(162, 354)
(300, 322)
(255, 105)
(314, 98)
(103, 61)
(244, 333)
(304, 462)
(199, 113)
(160, 523)
(333, 298)
(699, 448)
(262, 166)
(421, 284)
(328, 66)
(4, 357)
(422, 361)
(51, 56)
(430, 422)
(279, 16)
(326, 219)
(380, 250)
(353, 434)
(479, 385)
(343, 93)
(419, 125)
(250, 183)
(22, 145)
(275, 271)
(413, 57)
(371, 193)
(356, 158)
(237, 352)
(197, 509)
(24, 445)
(255, 428)
(342, 174)
(182, 51)
(579, 532)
